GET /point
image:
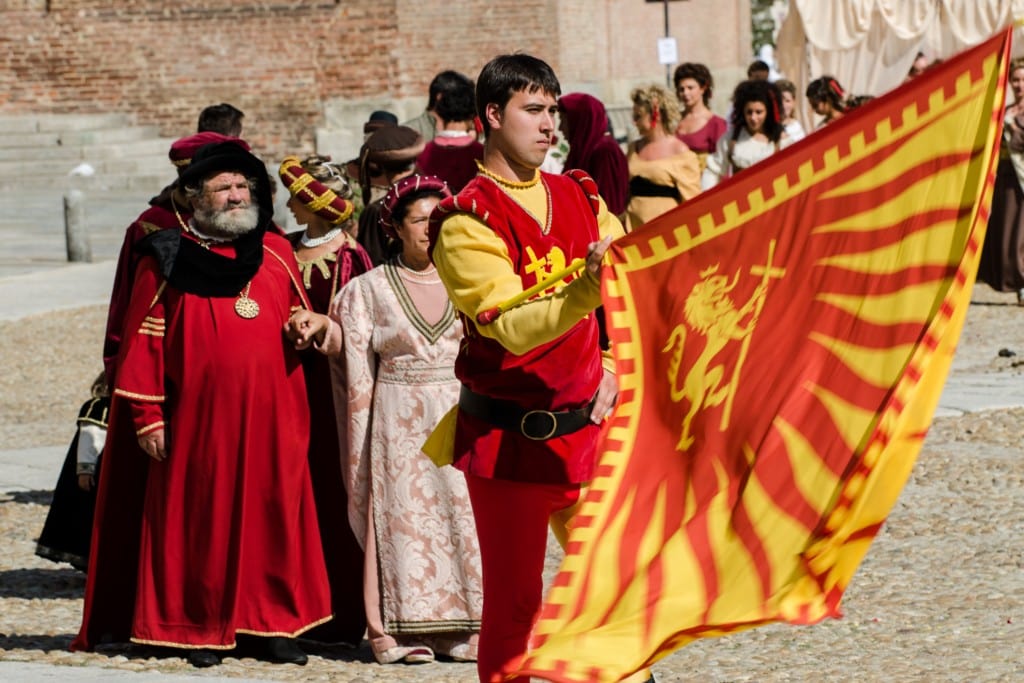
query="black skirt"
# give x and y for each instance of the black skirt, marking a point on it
(67, 531)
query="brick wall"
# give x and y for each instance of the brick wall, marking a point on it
(283, 62)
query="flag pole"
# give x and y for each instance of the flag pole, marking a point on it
(491, 314)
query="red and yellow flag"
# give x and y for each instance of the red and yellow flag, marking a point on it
(781, 343)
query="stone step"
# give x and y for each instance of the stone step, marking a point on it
(40, 151)
(108, 136)
(10, 125)
(50, 123)
(23, 140)
(70, 122)
(150, 147)
(51, 167)
(147, 183)
(77, 138)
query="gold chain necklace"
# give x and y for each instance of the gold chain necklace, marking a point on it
(507, 186)
(205, 244)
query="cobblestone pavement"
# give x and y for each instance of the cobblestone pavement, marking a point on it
(940, 596)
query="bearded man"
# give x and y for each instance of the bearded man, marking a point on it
(228, 539)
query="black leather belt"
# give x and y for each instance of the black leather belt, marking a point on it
(539, 425)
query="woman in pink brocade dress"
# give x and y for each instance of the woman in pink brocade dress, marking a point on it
(398, 335)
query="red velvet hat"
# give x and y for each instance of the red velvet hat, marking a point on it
(317, 197)
(183, 149)
(403, 188)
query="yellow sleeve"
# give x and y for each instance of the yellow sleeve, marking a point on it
(474, 265)
(608, 360)
(688, 176)
(608, 224)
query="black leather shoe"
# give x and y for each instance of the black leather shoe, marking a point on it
(201, 659)
(285, 651)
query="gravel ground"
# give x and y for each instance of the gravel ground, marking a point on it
(940, 596)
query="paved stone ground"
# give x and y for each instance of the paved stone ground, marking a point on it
(940, 596)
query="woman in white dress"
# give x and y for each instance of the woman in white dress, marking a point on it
(756, 132)
(397, 335)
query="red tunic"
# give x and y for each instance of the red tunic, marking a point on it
(561, 375)
(229, 540)
(453, 163)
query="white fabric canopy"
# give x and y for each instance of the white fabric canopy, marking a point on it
(869, 45)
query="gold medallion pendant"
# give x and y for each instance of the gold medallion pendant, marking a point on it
(245, 307)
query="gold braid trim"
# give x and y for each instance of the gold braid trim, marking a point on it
(298, 286)
(181, 646)
(149, 428)
(320, 263)
(285, 634)
(139, 397)
(244, 631)
(159, 291)
(518, 184)
(300, 183)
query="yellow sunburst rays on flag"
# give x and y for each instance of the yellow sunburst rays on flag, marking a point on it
(878, 223)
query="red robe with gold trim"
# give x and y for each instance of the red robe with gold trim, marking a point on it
(228, 538)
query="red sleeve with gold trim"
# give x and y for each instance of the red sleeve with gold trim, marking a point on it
(280, 249)
(140, 374)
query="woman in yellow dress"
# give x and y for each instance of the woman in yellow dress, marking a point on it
(663, 171)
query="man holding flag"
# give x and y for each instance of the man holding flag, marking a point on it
(535, 387)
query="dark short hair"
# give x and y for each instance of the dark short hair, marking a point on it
(697, 72)
(221, 118)
(506, 75)
(443, 83)
(758, 65)
(456, 103)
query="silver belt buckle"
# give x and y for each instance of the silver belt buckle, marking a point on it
(551, 416)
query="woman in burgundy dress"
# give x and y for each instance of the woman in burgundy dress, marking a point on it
(328, 257)
(699, 127)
